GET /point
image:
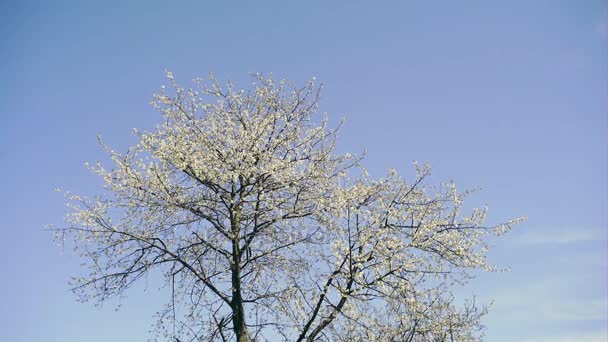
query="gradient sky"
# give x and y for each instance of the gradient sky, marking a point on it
(509, 96)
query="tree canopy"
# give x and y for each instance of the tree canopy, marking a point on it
(262, 231)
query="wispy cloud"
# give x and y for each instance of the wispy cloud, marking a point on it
(595, 336)
(582, 310)
(561, 304)
(559, 236)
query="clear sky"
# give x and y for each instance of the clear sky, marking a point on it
(510, 96)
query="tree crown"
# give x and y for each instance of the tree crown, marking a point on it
(261, 230)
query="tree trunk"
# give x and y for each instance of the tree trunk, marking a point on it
(238, 312)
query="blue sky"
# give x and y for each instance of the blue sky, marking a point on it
(509, 96)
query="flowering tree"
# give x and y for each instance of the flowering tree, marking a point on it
(261, 231)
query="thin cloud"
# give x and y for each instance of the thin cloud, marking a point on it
(558, 237)
(588, 310)
(596, 336)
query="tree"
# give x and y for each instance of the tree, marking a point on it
(260, 230)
